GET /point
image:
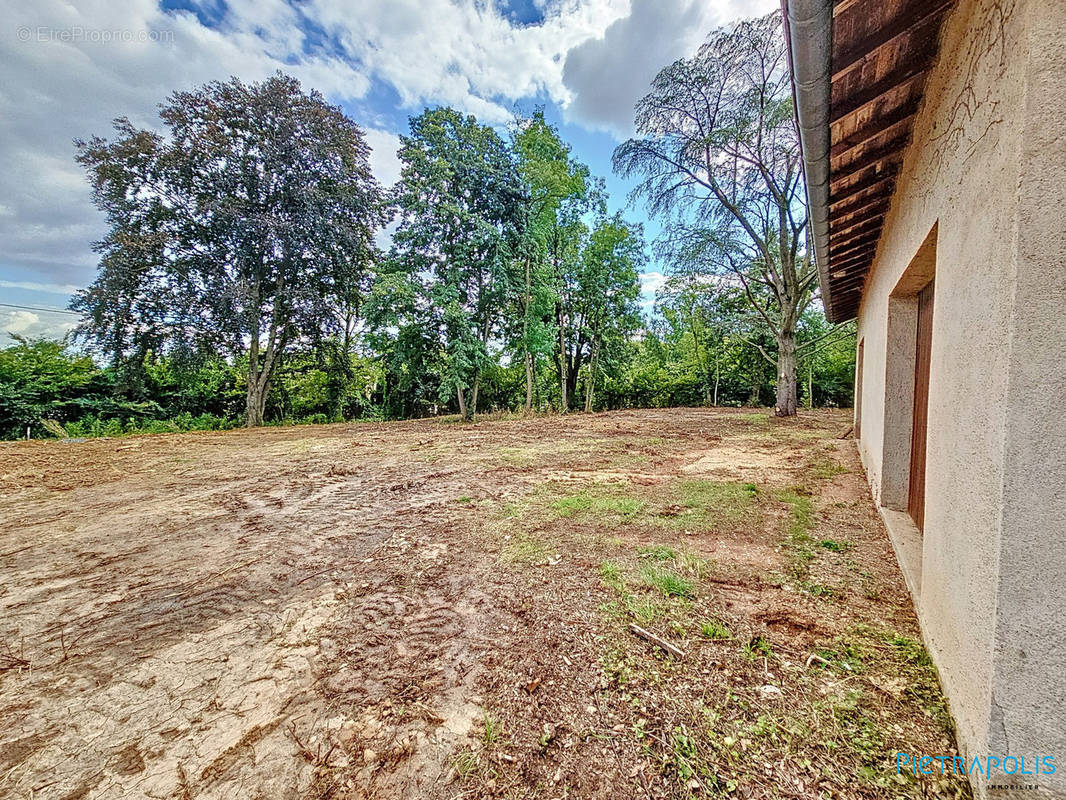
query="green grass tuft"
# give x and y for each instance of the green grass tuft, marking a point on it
(713, 629)
(601, 506)
(659, 553)
(667, 581)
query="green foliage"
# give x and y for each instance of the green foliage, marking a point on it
(714, 629)
(242, 231)
(667, 581)
(239, 279)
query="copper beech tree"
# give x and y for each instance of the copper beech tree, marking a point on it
(236, 232)
(718, 158)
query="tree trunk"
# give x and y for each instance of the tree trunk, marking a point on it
(564, 402)
(590, 387)
(463, 411)
(473, 397)
(255, 402)
(529, 381)
(786, 374)
(717, 376)
(525, 337)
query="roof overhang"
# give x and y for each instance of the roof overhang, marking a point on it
(859, 69)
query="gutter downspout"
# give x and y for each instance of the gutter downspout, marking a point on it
(809, 38)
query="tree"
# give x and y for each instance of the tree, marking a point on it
(462, 210)
(718, 156)
(556, 185)
(604, 312)
(236, 233)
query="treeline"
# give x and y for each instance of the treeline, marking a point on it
(50, 388)
(243, 277)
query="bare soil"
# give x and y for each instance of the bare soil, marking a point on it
(427, 609)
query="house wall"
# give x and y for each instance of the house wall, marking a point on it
(982, 185)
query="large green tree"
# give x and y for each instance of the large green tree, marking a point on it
(718, 157)
(237, 231)
(462, 209)
(559, 189)
(603, 304)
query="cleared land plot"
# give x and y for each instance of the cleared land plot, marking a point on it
(430, 610)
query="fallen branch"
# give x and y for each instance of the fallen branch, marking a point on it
(847, 433)
(672, 649)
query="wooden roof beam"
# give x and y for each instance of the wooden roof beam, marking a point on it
(841, 234)
(860, 259)
(860, 245)
(863, 205)
(906, 21)
(889, 150)
(901, 75)
(887, 174)
(875, 127)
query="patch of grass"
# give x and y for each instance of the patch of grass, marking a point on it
(466, 763)
(465, 499)
(707, 503)
(713, 629)
(659, 552)
(755, 419)
(611, 575)
(604, 507)
(524, 548)
(645, 609)
(757, 647)
(824, 467)
(834, 545)
(491, 729)
(667, 581)
(801, 514)
(694, 565)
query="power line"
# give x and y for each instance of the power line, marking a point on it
(39, 308)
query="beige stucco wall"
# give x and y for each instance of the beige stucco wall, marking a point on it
(984, 182)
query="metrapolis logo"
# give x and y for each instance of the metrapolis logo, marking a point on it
(986, 766)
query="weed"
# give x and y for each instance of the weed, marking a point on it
(491, 730)
(606, 508)
(466, 763)
(834, 545)
(757, 647)
(667, 581)
(466, 499)
(713, 629)
(659, 553)
(611, 575)
(815, 589)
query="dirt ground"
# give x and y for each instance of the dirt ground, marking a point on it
(430, 610)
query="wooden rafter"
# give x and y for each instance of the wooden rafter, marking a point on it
(906, 22)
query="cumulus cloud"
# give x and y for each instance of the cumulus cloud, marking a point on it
(70, 68)
(34, 326)
(383, 159)
(607, 75)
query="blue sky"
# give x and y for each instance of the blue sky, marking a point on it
(72, 68)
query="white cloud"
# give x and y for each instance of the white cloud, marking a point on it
(607, 75)
(51, 288)
(651, 282)
(383, 159)
(59, 86)
(34, 326)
